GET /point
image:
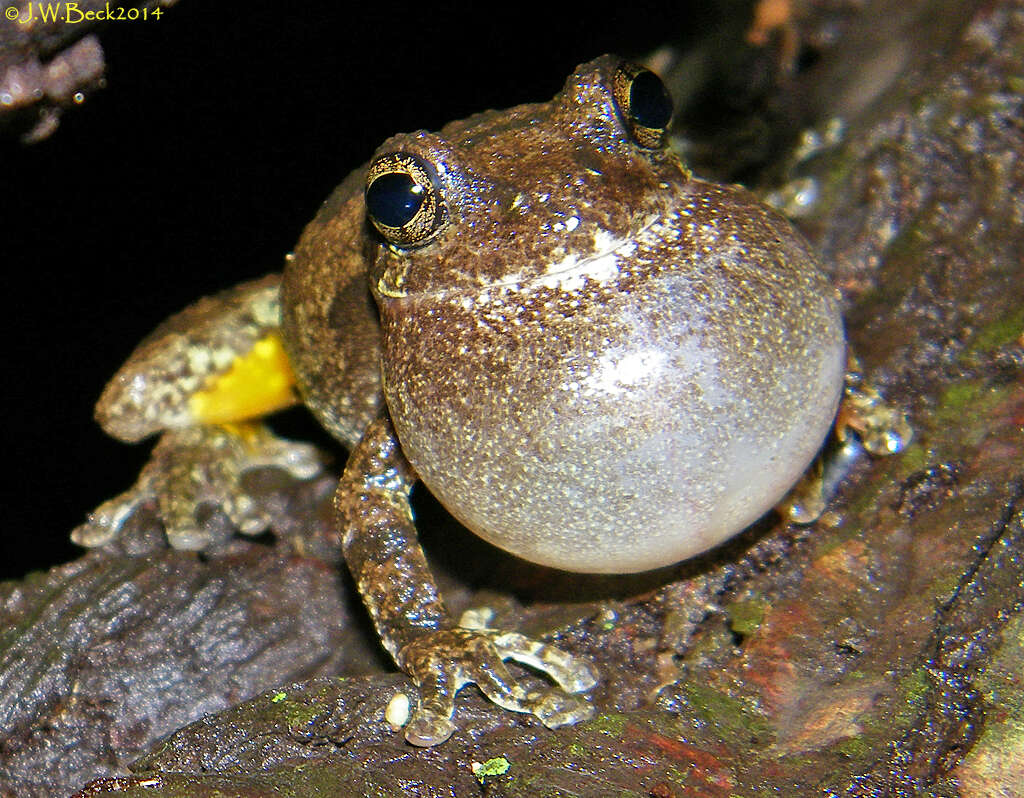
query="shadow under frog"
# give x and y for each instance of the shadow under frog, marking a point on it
(591, 358)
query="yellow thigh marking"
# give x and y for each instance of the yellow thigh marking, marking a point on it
(258, 383)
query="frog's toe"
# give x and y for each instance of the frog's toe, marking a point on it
(882, 427)
(555, 708)
(806, 500)
(885, 431)
(572, 674)
(443, 662)
(300, 460)
(104, 524)
(431, 725)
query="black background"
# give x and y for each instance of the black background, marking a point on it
(218, 135)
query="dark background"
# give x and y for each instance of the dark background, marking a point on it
(219, 133)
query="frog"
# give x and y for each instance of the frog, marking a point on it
(592, 358)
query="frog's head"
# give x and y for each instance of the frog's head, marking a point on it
(524, 195)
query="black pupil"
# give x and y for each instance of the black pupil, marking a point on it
(394, 198)
(649, 102)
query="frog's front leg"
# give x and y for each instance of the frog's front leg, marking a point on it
(393, 577)
(199, 378)
(881, 427)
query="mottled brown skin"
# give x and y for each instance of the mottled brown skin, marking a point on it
(153, 395)
(591, 358)
(328, 318)
(597, 362)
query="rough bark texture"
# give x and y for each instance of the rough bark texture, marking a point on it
(876, 654)
(101, 657)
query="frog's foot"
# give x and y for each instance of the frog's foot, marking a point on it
(202, 466)
(442, 662)
(882, 428)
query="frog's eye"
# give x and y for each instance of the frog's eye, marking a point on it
(403, 199)
(644, 104)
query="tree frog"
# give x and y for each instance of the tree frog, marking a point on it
(592, 358)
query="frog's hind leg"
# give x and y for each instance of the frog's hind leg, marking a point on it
(201, 379)
(202, 466)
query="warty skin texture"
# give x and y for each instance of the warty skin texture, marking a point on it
(638, 418)
(593, 359)
(600, 363)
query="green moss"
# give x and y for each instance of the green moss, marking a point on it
(1000, 682)
(901, 712)
(999, 749)
(907, 245)
(1002, 331)
(944, 585)
(915, 457)
(297, 713)
(675, 775)
(492, 768)
(859, 506)
(858, 747)
(745, 617)
(735, 719)
(962, 404)
(610, 723)
(960, 396)
(911, 692)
